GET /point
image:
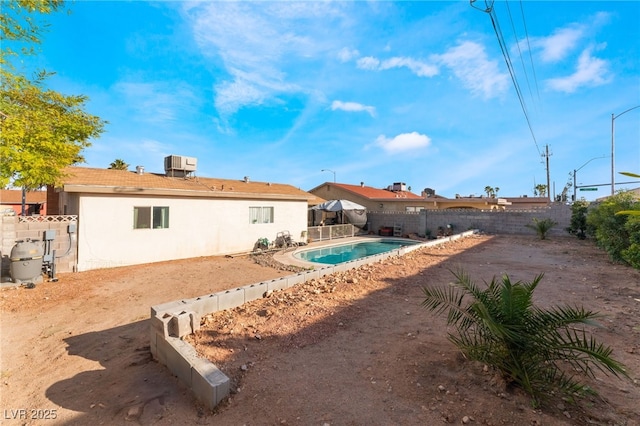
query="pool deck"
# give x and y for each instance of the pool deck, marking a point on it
(287, 256)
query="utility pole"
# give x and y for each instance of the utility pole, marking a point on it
(546, 155)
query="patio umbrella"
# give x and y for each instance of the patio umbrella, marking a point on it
(338, 205)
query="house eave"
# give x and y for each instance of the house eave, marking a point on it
(219, 194)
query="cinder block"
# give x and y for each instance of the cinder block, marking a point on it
(311, 275)
(255, 291)
(295, 279)
(340, 267)
(160, 324)
(162, 348)
(278, 284)
(209, 384)
(325, 270)
(183, 323)
(169, 307)
(204, 305)
(176, 362)
(230, 299)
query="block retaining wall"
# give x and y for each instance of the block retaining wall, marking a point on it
(171, 321)
(427, 222)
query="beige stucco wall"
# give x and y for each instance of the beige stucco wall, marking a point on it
(197, 227)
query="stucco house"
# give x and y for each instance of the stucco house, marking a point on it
(35, 202)
(128, 218)
(397, 198)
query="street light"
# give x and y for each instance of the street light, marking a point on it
(578, 169)
(334, 174)
(613, 117)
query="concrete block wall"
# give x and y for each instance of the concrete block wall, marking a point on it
(171, 321)
(16, 228)
(490, 221)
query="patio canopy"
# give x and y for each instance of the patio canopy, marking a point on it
(354, 212)
(338, 205)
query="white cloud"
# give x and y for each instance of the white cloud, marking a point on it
(368, 63)
(419, 68)
(558, 45)
(352, 107)
(403, 142)
(255, 42)
(469, 62)
(345, 54)
(590, 71)
(156, 102)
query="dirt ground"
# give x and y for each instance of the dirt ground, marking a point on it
(351, 349)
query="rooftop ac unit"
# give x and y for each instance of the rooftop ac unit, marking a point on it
(399, 186)
(177, 163)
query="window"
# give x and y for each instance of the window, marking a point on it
(413, 209)
(144, 217)
(160, 217)
(261, 214)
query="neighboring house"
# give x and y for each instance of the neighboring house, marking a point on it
(635, 192)
(35, 202)
(128, 218)
(396, 198)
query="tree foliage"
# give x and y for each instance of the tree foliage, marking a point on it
(118, 164)
(540, 190)
(43, 131)
(578, 225)
(491, 191)
(616, 233)
(542, 226)
(540, 350)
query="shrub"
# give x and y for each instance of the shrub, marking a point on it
(608, 227)
(537, 349)
(578, 225)
(542, 226)
(631, 254)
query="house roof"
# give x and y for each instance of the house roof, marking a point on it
(109, 181)
(14, 196)
(374, 193)
(527, 200)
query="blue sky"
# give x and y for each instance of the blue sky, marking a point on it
(377, 92)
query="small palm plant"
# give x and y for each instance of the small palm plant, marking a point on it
(536, 349)
(542, 226)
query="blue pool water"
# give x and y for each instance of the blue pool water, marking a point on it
(346, 252)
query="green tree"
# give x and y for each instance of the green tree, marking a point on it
(43, 131)
(609, 228)
(630, 212)
(578, 225)
(540, 190)
(119, 164)
(530, 346)
(631, 254)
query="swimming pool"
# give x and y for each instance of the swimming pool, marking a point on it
(345, 252)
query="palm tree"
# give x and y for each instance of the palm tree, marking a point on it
(488, 190)
(119, 164)
(538, 349)
(540, 189)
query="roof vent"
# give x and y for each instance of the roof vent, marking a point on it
(246, 179)
(140, 170)
(176, 165)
